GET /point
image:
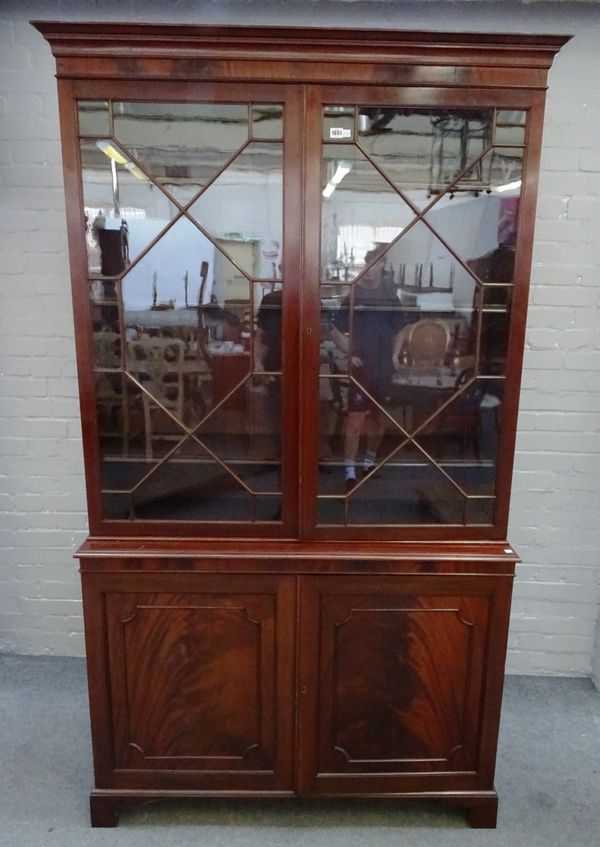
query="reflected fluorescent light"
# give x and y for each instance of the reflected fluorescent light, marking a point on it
(133, 169)
(341, 171)
(111, 152)
(509, 186)
(119, 158)
(364, 122)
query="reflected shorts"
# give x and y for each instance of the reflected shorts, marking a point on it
(359, 400)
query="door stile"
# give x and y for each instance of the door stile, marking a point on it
(523, 262)
(307, 697)
(292, 305)
(311, 328)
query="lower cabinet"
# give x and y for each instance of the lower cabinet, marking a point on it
(200, 682)
(400, 686)
(311, 684)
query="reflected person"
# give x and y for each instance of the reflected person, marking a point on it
(267, 352)
(267, 341)
(367, 336)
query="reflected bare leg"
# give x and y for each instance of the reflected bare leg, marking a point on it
(355, 423)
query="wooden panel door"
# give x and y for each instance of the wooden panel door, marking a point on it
(397, 671)
(200, 682)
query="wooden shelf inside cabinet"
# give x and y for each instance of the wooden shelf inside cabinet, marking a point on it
(300, 311)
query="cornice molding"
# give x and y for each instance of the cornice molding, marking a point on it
(128, 40)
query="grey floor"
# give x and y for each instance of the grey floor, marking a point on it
(548, 777)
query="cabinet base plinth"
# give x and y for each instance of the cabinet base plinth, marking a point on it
(482, 810)
(485, 814)
(103, 811)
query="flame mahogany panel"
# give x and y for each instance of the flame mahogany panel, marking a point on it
(199, 679)
(402, 690)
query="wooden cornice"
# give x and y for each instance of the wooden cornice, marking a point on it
(125, 40)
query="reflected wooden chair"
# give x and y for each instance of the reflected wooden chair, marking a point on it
(424, 349)
(109, 397)
(427, 343)
(158, 364)
(107, 349)
(112, 416)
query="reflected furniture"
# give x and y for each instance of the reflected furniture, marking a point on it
(297, 579)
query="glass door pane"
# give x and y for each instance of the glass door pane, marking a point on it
(419, 212)
(183, 205)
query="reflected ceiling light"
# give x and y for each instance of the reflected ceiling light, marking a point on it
(509, 186)
(119, 158)
(341, 171)
(111, 152)
(364, 122)
(133, 169)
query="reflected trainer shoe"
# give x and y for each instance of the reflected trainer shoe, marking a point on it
(350, 483)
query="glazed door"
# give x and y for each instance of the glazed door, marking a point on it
(198, 690)
(417, 217)
(395, 687)
(190, 310)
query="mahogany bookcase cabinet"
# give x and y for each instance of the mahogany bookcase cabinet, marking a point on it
(300, 264)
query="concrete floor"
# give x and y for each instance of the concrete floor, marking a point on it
(548, 778)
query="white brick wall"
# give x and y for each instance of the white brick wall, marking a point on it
(555, 504)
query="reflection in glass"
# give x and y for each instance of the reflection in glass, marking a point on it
(103, 292)
(267, 508)
(113, 424)
(245, 433)
(185, 310)
(497, 296)
(331, 511)
(243, 210)
(128, 447)
(334, 464)
(191, 485)
(359, 210)
(510, 127)
(480, 224)
(480, 510)
(182, 145)
(463, 437)
(406, 492)
(506, 170)
(268, 304)
(422, 150)
(123, 210)
(117, 506)
(366, 329)
(494, 342)
(427, 274)
(407, 352)
(106, 336)
(407, 431)
(267, 121)
(189, 400)
(338, 123)
(93, 117)
(155, 405)
(157, 365)
(333, 362)
(497, 175)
